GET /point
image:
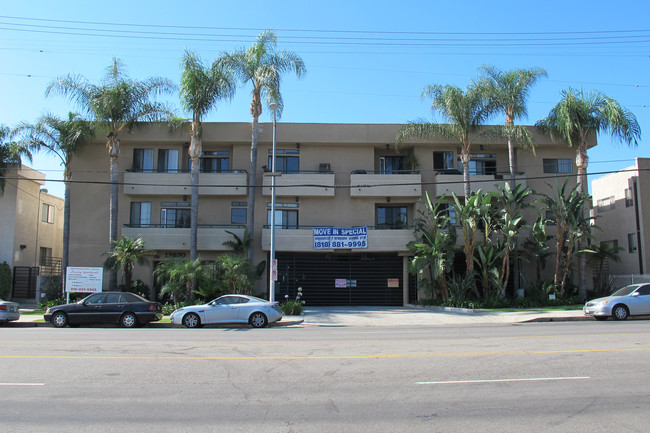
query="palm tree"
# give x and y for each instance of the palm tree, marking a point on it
(565, 208)
(126, 253)
(511, 202)
(598, 255)
(576, 118)
(466, 111)
(508, 92)
(200, 90)
(115, 104)
(434, 248)
(261, 66)
(11, 154)
(178, 274)
(64, 139)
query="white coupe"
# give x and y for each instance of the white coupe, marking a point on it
(229, 309)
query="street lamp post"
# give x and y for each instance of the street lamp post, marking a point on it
(38, 223)
(273, 267)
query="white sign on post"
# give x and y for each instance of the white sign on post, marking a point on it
(88, 280)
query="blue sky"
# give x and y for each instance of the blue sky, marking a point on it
(367, 61)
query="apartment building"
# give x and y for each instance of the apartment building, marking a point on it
(622, 216)
(31, 239)
(345, 199)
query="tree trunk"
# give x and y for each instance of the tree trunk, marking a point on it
(196, 148)
(464, 158)
(252, 185)
(114, 152)
(66, 227)
(582, 160)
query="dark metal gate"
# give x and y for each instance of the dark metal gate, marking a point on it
(341, 279)
(24, 282)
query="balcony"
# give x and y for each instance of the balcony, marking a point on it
(370, 184)
(157, 237)
(303, 184)
(302, 239)
(225, 184)
(448, 183)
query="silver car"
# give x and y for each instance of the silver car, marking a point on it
(632, 300)
(229, 309)
(9, 311)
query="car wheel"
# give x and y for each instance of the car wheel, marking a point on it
(59, 320)
(258, 320)
(128, 320)
(600, 318)
(191, 320)
(620, 312)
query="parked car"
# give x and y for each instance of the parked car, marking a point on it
(632, 300)
(229, 309)
(125, 309)
(9, 311)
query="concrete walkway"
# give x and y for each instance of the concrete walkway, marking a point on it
(391, 316)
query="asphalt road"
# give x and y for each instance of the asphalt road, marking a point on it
(536, 377)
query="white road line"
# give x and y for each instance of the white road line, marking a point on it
(22, 384)
(532, 379)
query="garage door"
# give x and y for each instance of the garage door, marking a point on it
(341, 279)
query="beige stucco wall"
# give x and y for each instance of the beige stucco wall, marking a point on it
(346, 147)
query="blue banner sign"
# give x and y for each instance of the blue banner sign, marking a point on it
(337, 237)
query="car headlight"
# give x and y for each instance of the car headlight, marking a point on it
(47, 311)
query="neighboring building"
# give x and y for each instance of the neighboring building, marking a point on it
(333, 175)
(622, 214)
(31, 239)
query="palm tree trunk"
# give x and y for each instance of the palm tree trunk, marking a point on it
(114, 151)
(464, 157)
(195, 151)
(252, 179)
(66, 226)
(582, 160)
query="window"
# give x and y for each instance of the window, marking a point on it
(115, 298)
(559, 166)
(391, 164)
(238, 212)
(168, 161)
(47, 213)
(140, 214)
(631, 243)
(45, 258)
(175, 215)
(443, 161)
(143, 160)
(286, 216)
(481, 163)
(393, 217)
(214, 162)
(286, 161)
(629, 200)
(549, 217)
(606, 204)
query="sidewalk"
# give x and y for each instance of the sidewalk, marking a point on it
(390, 316)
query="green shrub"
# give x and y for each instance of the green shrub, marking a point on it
(292, 308)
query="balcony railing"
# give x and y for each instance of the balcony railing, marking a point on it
(402, 183)
(301, 238)
(168, 237)
(180, 183)
(306, 183)
(451, 181)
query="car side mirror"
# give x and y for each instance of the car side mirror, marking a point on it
(635, 294)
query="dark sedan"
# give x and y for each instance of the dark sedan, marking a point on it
(122, 308)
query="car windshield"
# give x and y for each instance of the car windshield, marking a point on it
(625, 291)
